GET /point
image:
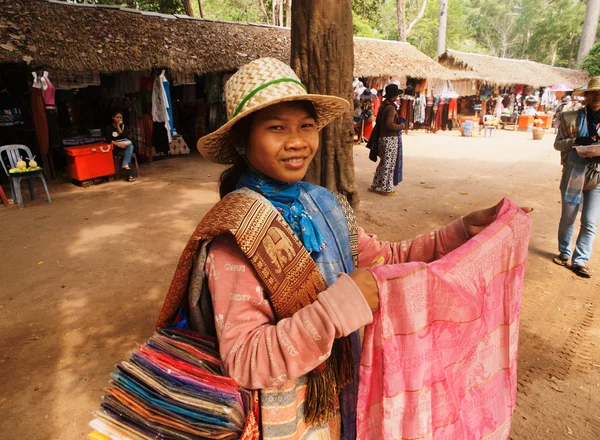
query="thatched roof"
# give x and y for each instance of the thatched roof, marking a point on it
(87, 37)
(509, 71)
(108, 39)
(388, 58)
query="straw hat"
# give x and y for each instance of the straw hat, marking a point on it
(259, 84)
(594, 84)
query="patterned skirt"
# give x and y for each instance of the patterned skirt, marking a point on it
(389, 152)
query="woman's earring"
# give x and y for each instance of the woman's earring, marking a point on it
(241, 150)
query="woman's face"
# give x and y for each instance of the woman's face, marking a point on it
(117, 119)
(283, 141)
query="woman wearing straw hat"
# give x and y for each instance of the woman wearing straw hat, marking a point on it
(579, 189)
(278, 269)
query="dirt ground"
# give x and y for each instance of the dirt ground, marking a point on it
(83, 278)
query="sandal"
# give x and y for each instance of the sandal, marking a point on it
(126, 167)
(561, 260)
(131, 179)
(582, 270)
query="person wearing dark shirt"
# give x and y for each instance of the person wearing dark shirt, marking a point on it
(579, 189)
(117, 135)
(388, 143)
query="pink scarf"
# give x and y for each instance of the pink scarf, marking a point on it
(440, 359)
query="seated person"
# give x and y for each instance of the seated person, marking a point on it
(116, 134)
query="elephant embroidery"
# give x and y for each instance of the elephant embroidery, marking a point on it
(279, 248)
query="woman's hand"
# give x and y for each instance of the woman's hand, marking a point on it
(477, 221)
(367, 284)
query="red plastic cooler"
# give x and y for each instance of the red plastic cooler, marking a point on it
(90, 161)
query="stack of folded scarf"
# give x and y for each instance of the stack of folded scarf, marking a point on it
(172, 387)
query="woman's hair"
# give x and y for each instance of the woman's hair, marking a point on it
(240, 134)
(115, 113)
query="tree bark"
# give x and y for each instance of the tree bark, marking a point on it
(590, 26)
(323, 57)
(401, 19)
(200, 8)
(443, 21)
(189, 10)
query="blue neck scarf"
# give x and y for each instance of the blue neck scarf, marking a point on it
(285, 198)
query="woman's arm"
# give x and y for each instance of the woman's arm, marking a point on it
(259, 352)
(424, 247)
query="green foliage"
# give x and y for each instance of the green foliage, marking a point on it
(591, 63)
(235, 10)
(362, 27)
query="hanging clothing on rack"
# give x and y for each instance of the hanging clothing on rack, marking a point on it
(420, 105)
(429, 111)
(439, 115)
(40, 120)
(160, 111)
(453, 109)
(167, 89)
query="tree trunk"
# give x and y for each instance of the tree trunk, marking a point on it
(281, 8)
(590, 26)
(288, 13)
(261, 4)
(572, 52)
(323, 57)
(401, 19)
(417, 18)
(443, 20)
(200, 8)
(189, 10)
(274, 12)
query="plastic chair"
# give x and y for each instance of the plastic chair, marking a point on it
(13, 152)
(491, 128)
(118, 159)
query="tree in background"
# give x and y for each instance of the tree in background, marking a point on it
(424, 34)
(591, 62)
(406, 10)
(555, 32)
(323, 57)
(590, 29)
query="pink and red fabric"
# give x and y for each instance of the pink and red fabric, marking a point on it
(439, 360)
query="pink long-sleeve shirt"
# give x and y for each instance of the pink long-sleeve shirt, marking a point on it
(259, 352)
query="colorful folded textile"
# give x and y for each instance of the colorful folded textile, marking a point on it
(172, 387)
(439, 360)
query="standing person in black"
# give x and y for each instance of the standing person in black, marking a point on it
(386, 140)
